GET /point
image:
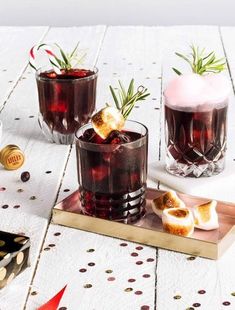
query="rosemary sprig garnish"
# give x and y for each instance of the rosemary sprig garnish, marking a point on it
(125, 100)
(202, 63)
(69, 60)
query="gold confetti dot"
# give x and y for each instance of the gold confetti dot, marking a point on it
(233, 293)
(87, 286)
(20, 240)
(20, 190)
(3, 273)
(19, 258)
(191, 258)
(2, 243)
(33, 198)
(128, 289)
(3, 254)
(34, 293)
(108, 271)
(11, 277)
(177, 297)
(90, 250)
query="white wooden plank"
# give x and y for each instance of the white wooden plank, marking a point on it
(133, 48)
(21, 128)
(14, 295)
(61, 264)
(15, 43)
(177, 275)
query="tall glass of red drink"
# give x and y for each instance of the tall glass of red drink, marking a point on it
(66, 102)
(196, 125)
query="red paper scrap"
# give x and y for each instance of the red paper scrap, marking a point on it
(53, 303)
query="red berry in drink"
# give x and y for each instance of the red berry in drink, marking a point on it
(80, 73)
(99, 173)
(25, 176)
(59, 107)
(51, 75)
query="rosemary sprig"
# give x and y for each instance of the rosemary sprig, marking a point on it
(125, 100)
(202, 63)
(69, 60)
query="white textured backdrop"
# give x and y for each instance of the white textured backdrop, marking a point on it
(116, 12)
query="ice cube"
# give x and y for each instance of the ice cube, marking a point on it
(117, 137)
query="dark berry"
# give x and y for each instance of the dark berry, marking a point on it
(117, 137)
(25, 176)
(99, 173)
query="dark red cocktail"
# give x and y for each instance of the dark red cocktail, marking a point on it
(66, 102)
(197, 139)
(112, 172)
(196, 124)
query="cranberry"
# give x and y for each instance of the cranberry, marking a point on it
(51, 75)
(79, 73)
(25, 176)
(117, 137)
(99, 173)
(59, 107)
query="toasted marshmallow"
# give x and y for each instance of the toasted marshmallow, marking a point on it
(205, 216)
(166, 201)
(107, 120)
(178, 221)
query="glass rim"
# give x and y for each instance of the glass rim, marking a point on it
(85, 78)
(108, 145)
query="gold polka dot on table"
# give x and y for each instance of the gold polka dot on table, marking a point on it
(108, 271)
(19, 258)
(177, 297)
(3, 273)
(191, 258)
(87, 285)
(34, 293)
(20, 240)
(233, 293)
(2, 243)
(90, 250)
(10, 278)
(128, 289)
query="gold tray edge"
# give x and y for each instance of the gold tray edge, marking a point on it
(140, 235)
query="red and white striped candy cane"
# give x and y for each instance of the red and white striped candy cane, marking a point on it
(35, 49)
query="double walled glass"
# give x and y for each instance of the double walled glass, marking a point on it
(66, 102)
(112, 177)
(196, 139)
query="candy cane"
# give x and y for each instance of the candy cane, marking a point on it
(35, 49)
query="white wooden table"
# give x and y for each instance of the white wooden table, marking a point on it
(58, 253)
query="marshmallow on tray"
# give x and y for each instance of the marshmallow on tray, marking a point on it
(166, 201)
(205, 216)
(178, 221)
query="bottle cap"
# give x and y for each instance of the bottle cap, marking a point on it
(11, 157)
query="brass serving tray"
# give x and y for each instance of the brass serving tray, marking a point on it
(210, 244)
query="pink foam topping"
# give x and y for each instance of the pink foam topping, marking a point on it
(193, 90)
